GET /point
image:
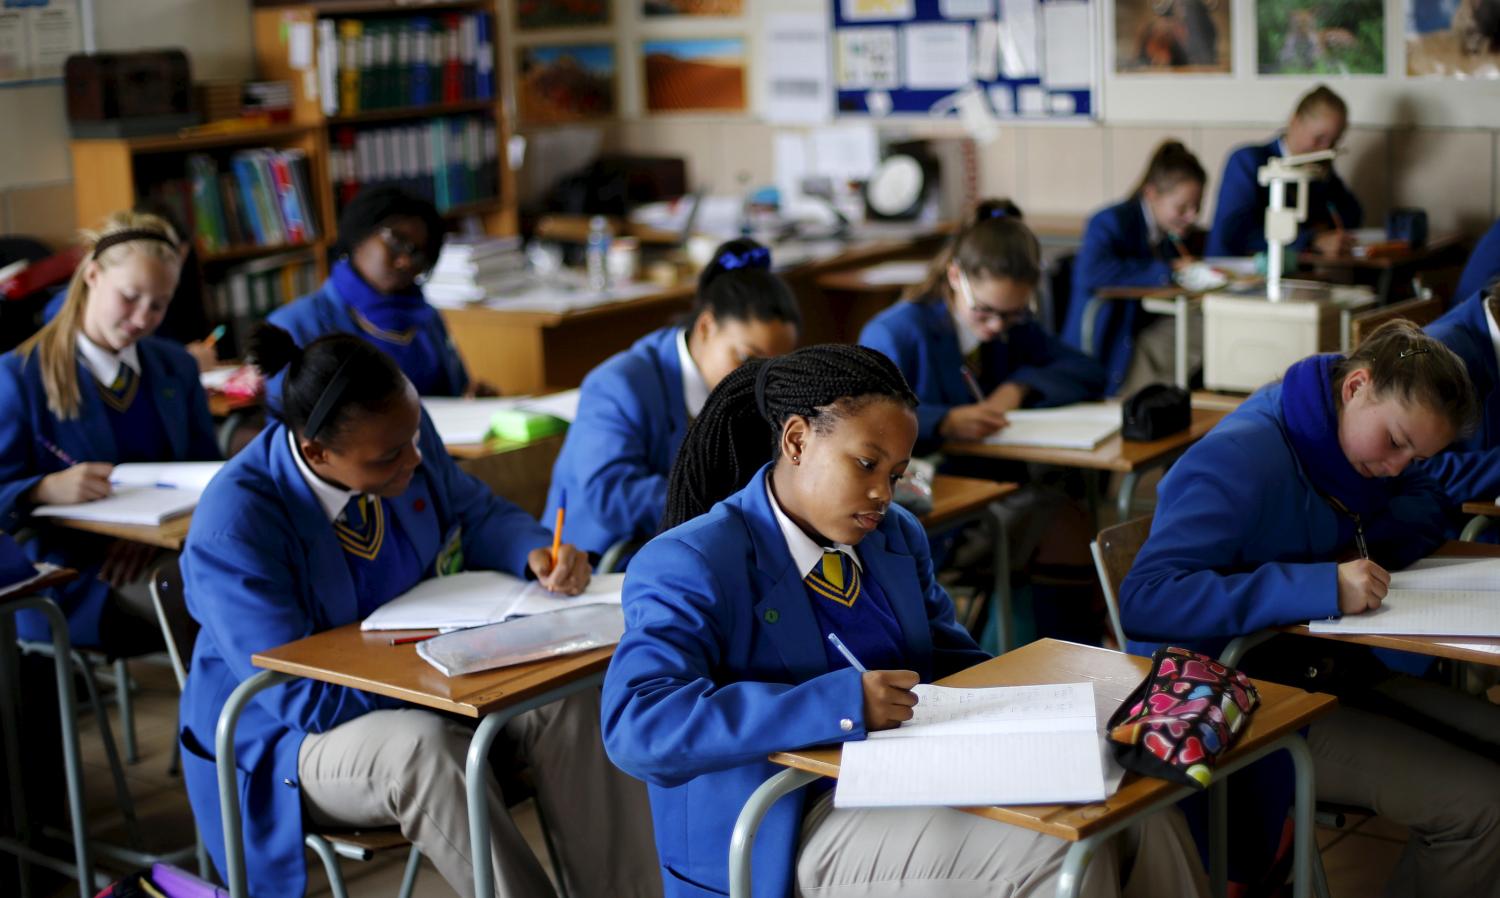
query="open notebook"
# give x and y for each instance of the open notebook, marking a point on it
(1081, 426)
(476, 598)
(146, 506)
(1434, 597)
(997, 746)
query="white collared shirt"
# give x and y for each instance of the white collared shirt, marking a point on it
(968, 341)
(806, 554)
(333, 499)
(1153, 232)
(105, 364)
(694, 387)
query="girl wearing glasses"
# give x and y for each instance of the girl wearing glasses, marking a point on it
(387, 237)
(1136, 243)
(966, 338)
(634, 408)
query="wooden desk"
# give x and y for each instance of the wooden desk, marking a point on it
(1114, 454)
(170, 534)
(957, 501)
(346, 656)
(1275, 724)
(1449, 247)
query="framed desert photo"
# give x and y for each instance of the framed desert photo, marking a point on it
(659, 8)
(1180, 36)
(695, 75)
(565, 83)
(1320, 37)
(1455, 38)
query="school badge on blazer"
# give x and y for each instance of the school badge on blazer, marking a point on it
(450, 560)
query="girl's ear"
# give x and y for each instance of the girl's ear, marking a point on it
(954, 278)
(315, 452)
(704, 327)
(794, 435)
(91, 272)
(1354, 382)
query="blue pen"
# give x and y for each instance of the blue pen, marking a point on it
(848, 655)
(52, 447)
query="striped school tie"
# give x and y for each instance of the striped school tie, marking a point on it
(836, 577)
(121, 393)
(361, 528)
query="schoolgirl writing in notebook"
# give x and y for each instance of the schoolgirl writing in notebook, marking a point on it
(347, 503)
(783, 532)
(91, 389)
(387, 238)
(1239, 227)
(967, 338)
(1136, 243)
(635, 407)
(1296, 507)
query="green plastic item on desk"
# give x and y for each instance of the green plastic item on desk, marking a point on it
(522, 426)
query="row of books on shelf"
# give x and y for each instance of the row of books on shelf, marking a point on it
(263, 198)
(452, 161)
(248, 292)
(385, 63)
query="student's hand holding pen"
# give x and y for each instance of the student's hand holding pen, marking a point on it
(568, 576)
(1363, 584)
(888, 697)
(83, 482)
(972, 422)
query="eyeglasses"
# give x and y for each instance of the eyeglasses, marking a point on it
(400, 246)
(989, 314)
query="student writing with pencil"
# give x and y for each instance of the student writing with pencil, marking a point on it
(782, 533)
(1296, 507)
(347, 503)
(634, 408)
(1139, 242)
(91, 389)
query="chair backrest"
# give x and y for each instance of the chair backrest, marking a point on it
(1420, 312)
(177, 626)
(1114, 552)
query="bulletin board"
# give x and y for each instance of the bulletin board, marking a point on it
(37, 36)
(1002, 58)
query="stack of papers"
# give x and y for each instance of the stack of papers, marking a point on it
(1081, 426)
(474, 269)
(1434, 597)
(1004, 745)
(476, 598)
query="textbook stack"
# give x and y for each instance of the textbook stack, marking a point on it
(390, 63)
(249, 291)
(473, 269)
(452, 161)
(263, 198)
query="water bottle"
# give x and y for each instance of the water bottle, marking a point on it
(597, 255)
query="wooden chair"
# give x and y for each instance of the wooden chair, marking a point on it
(1420, 312)
(1114, 552)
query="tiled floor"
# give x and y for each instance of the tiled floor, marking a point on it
(1358, 857)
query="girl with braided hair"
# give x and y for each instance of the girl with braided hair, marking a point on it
(782, 533)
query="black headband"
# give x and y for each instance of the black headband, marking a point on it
(760, 388)
(129, 235)
(333, 391)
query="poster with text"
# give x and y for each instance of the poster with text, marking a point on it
(1320, 37)
(1453, 38)
(566, 84)
(1178, 36)
(695, 75)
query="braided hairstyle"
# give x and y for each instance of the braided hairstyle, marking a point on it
(740, 425)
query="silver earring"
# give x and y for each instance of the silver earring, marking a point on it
(796, 459)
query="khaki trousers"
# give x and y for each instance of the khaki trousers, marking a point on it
(406, 768)
(1155, 357)
(946, 853)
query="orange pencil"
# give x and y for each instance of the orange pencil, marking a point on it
(557, 536)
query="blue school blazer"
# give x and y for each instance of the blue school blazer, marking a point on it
(262, 567)
(1242, 540)
(1240, 213)
(178, 397)
(722, 663)
(921, 338)
(1116, 252)
(1469, 469)
(1483, 266)
(322, 312)
(613, 468)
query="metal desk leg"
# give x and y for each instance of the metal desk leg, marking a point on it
(1476, 526)
(10, 722)
(1125, 502)
(1000, 605)
(229, 787)
(742, 840)
(1306, 844)
(1180, 311)
(477, 765)
(72, 759)
(1218, 838)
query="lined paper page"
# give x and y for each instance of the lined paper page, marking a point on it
(463, 421)
(969, 770)
(1473, 574)
(942, 710)
(1423, 612)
